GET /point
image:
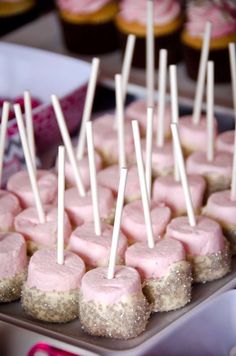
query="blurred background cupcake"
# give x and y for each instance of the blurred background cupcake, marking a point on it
(132, 18)
(15, 13)
(222, 15)
(88, 26)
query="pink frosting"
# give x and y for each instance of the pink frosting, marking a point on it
(225, 142)
(19, 183)
(136, 11)
(153, 263)
(80, 209)
(83, 166)
(9, 208)
(95, 250)
(197, 163)
(12, 254)
(137, 110)
(27, 223)
(47, 275)
(97, 287)
(194, 137)
(203, 239)
(81, 6)
(109, 178)
(133, 222)
(221, 207)
(221, 13)
(106, 138)
(170, 192)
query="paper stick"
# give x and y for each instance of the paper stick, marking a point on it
(117, 223)
(232, 57)
(128, 56)
(61, 205)
(88, 106)
(149, 151)
(68, 145)
(30, 167)
(174, 111)
(210, 111)
(29, 126)
(142, 183)
(162, 97)
(93, 178)
(233, 181)
(183, 175)
(120, 120)
(4, 121)
(202, 74)
(150, 54)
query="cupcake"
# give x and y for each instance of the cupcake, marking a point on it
(87, 25)
(15, 13)
(132, 17)
(222, 15)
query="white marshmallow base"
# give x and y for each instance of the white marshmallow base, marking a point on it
(121, 320)
(172, 291)
(10, 288)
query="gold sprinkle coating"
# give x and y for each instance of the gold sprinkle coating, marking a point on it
(10, 288)
(123, 320)
(53, 307)
(210, 267)
(172, 291)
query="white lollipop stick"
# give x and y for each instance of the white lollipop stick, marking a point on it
(30, 168)
(88, 107)
(183, 175)
(210, 111)
(174, 111)
(162, 97)
(117, 223)
(150, 54)
(93, 178)
(128, 56)
(120, 120)
(4, 121)
(61, 205)
(67, 142)
(149, 151)
(233, 181)
(232, 57)
(29, 126)
(142, 182)
(202, 74)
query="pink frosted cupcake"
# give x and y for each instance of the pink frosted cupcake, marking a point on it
(132, 18)
(87, 25)
(222, 15)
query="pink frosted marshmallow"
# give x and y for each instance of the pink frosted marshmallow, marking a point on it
(203, 239)
(225, 142)
(83, 166)
(137, 110)
(19, 184)
(152, 263)
(167, 190)
(12, 254)
(9, 208)
(47, 275)
(133, 223)
(95, 250)
(80, 209)
(40, 235)
(194, 137)
(109, 178)
(106, 138)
